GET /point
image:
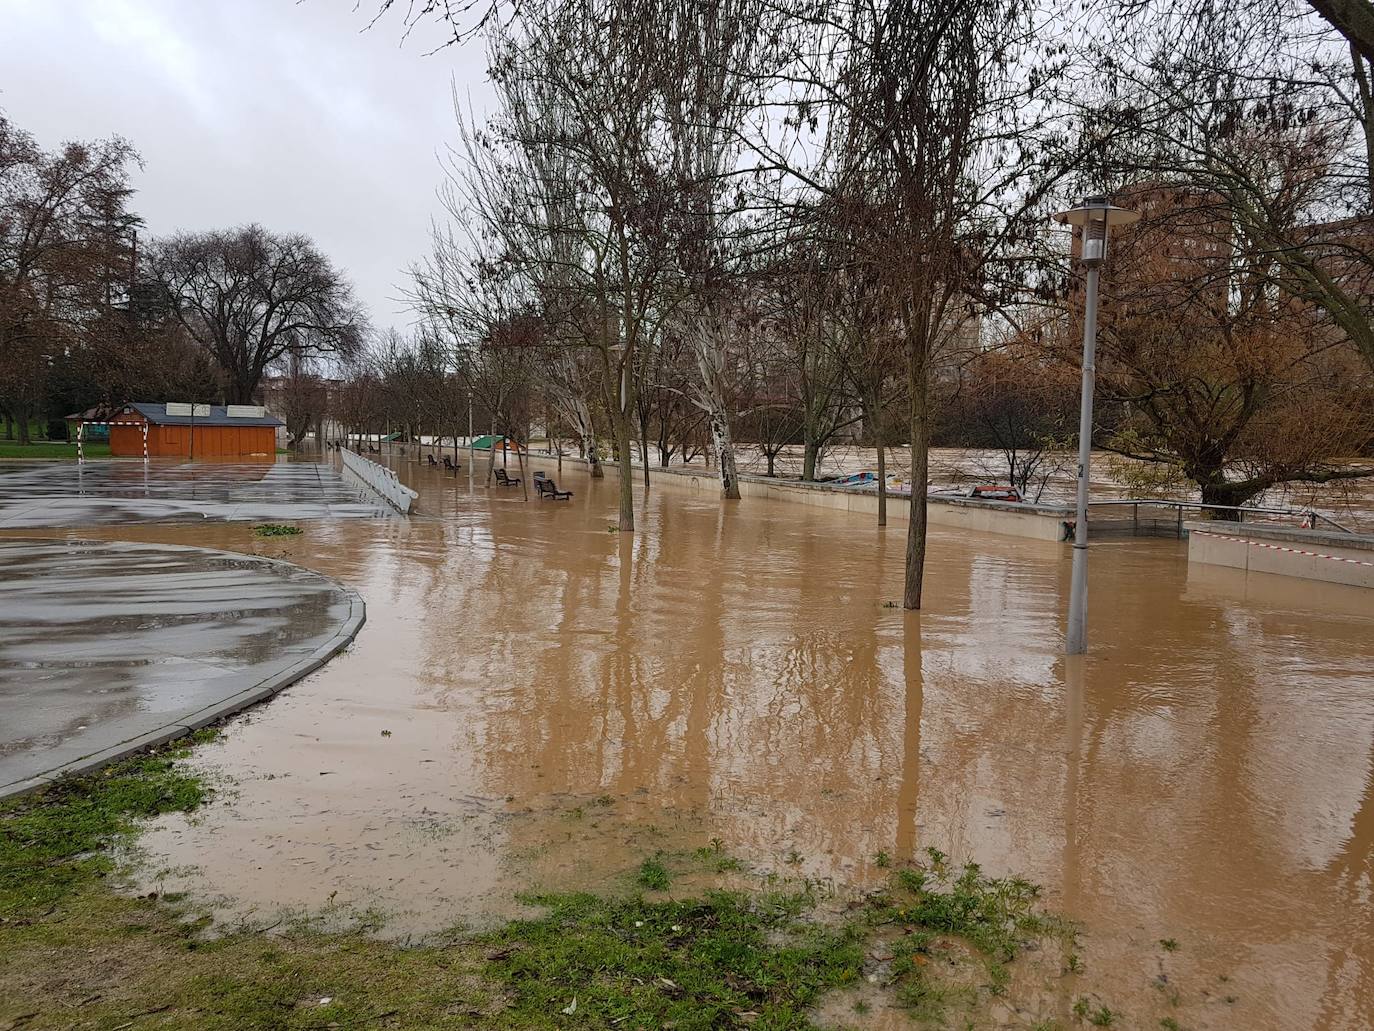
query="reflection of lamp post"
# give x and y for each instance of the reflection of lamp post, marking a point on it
(1095, 216)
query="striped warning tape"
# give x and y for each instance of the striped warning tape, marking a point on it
(1277, 547)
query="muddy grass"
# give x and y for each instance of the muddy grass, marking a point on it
(276, 530)
(77, 952)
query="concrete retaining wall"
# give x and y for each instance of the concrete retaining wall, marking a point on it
(1041, 522)
(381, 480)
(1310, 554)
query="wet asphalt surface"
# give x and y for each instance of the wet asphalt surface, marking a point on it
(104, 642)
(106, 492)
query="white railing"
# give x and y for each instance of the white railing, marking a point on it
(381, 479)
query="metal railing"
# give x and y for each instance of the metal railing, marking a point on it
(1313, 518)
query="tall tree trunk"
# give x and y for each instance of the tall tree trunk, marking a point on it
(1361, 70)
(665, 449)
(882, 480)
(920, 463)
(1231, 495)
(809, 457)
(644, 449)
(725, 453)
(710, 355)
(520, 460)
(593, 456)
(1353, 19)
(239, 392)
(870, 390)
(624, 443)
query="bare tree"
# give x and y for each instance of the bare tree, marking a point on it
(304, 398)
(65, 245)
(872, 349)
(715, 74)
(1021, 406)
(569, 201)
(936, 108)
(251, 298)
(809, 287)
(1271, 111)
(1221, 378)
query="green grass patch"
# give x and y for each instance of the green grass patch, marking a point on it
(276, 530)
(1096, 1015)
(995, 915)
(653, 874)
(50, 449)
(724, 960)
(716, 859)
(53, 841)
(933, 903)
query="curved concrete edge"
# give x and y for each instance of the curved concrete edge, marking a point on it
(193, 720)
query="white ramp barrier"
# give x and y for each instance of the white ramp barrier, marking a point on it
(380, 479)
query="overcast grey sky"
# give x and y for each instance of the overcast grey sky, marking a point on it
(266, 111)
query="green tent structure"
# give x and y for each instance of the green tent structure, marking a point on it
(487, 442)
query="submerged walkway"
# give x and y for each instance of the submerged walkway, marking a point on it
(108, 647)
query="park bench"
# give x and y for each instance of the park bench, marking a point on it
(449, 465)
(431, 460)
(548, 489)
(506, 481)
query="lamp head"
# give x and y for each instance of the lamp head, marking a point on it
(1096, 215)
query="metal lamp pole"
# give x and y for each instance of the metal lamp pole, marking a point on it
(1095, 216)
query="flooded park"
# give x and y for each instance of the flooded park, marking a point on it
(536, 702)
(547, 515)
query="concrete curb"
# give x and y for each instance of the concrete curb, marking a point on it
(1036, 522)
(194, 719)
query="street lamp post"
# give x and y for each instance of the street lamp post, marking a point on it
(1095, 216)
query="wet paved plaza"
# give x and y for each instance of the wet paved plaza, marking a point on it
(104, 643)
(121, 492)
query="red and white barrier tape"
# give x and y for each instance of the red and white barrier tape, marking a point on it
(1276, 547)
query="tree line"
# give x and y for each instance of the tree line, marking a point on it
(690, 224)
(774, 220)
(92, 313)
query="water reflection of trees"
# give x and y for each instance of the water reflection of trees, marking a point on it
(738, 662)
(676, 663)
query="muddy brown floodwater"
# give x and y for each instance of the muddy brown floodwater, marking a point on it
(537, 701)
